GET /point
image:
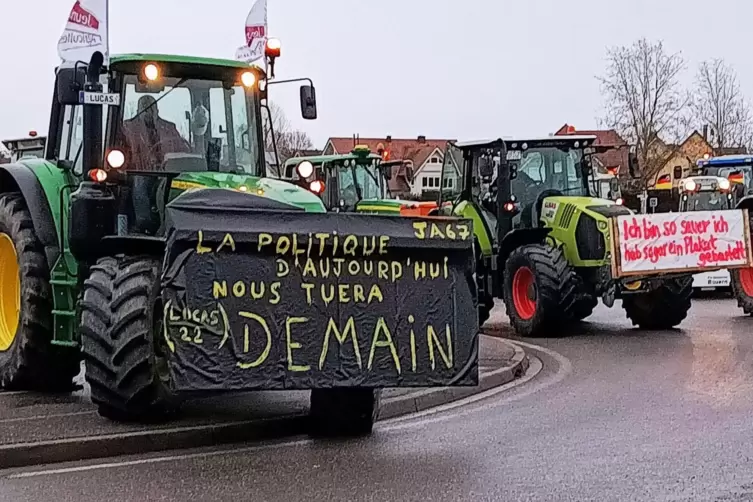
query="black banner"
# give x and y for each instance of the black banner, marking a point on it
(271, 297)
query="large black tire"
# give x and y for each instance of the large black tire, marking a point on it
(31, 362)
(348, 412)
(551, 291)
(120, 317)
(739, 278)
(662, 308)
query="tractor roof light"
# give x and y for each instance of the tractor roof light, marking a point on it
(272, 49)
(361, 150)
(151, 72)
(248, 79)
(316, 186)
(305, 169)
(116, 159)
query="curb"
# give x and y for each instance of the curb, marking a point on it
(149, 441)
(423, 400)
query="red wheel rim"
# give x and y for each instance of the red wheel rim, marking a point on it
(524, 293)
(746, 280)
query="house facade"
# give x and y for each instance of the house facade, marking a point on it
(420, 172)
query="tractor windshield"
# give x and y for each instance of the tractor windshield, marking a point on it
(359, 181)
(705, 201)
(190, 125)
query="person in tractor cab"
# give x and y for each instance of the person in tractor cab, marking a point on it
(147, 138)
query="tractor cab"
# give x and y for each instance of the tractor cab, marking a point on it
(738, 169)
(706, 193)
(344, 182)
(157, 125)
(31, 147)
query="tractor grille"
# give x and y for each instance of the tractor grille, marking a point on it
(589, 240)
(566, 216)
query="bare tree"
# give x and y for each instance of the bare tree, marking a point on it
(720, 105)
(645, 102)
(289, 140)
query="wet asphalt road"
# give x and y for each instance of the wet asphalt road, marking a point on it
(613, 414)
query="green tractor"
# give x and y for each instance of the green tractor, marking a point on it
(543, 242)
(149, 241)
(356, 181)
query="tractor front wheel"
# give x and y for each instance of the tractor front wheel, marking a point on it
(742, 288)
(662, 308)
(348, 412)
(28, 360)
(120, 322)
(538, 292)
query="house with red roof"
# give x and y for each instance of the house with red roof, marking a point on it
(421, 167)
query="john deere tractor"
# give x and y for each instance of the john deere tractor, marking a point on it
(149, 240)
(542, 241)
(357, 181)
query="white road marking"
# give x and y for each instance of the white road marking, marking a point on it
(43, 417)
(395, 424)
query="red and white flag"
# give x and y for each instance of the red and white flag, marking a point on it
(85, 32)
(256, 35)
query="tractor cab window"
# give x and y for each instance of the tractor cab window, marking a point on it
(452, 181)
(548, 169)
(359, 181)
(706, 201)
(191, 125)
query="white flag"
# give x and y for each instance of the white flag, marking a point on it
(85, 32)
(256, 35)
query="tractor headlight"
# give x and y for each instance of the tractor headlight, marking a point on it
(248, 79)
(305, 169)
(116, 159)
(151, 72)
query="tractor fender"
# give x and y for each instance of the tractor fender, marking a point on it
(746, 203)
(520, 237)
(15, 177)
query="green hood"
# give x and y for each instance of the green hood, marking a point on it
(274, 189)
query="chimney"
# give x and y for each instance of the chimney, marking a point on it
(388, 139)
(706, 133)
(422, 139)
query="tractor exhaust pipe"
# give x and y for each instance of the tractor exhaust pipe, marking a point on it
(92, 142)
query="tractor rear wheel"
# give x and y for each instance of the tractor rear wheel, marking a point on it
(742, 288)
(538, 292)
(120, 322)
(348, 412)
(28, 360)
(662, 308)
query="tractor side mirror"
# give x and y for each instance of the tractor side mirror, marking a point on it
(308, 102)
(70, 82)
(614, 185)
(677, 172)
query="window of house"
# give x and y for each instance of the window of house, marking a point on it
(424, 182)
(434, 160)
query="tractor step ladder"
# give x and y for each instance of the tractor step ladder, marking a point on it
(64, 303)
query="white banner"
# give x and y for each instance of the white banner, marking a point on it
(85, 32)
(256, 35)
(696, 240)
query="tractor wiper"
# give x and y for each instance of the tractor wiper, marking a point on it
(180, 82)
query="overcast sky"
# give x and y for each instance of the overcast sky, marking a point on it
(446, 69)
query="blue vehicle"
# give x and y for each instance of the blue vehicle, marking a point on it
(738, 169)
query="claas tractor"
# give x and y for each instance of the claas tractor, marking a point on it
(707, 193)
(149, 241)
(738, 169)
(542, 241)
(354, 182)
